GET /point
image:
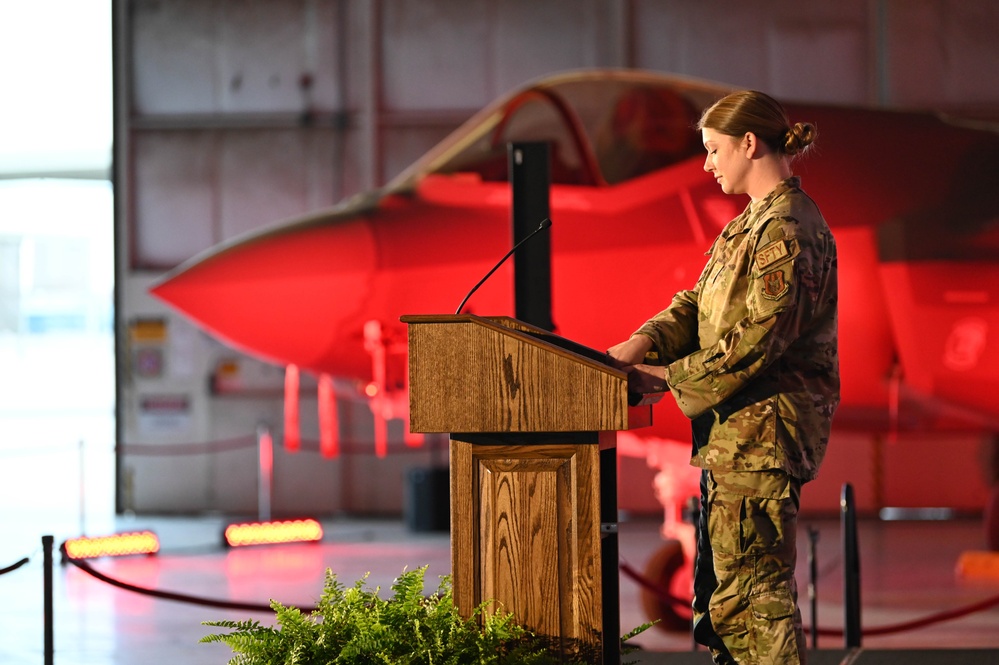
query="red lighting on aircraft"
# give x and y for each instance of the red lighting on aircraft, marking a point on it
(329, 424)
(123, 544)
(273, 533)
(292, 436)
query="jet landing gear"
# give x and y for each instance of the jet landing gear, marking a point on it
(667, 570)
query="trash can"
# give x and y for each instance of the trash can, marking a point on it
(427, 504)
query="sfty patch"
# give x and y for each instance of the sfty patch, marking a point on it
(774, 285)
(771, 254)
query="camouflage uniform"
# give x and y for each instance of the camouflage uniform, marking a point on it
(751, 357)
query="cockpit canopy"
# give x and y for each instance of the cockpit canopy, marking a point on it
(601, 131)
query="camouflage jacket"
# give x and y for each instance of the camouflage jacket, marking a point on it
(751, 351)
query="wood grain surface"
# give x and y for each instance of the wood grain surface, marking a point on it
(526, 535)
(469, 374)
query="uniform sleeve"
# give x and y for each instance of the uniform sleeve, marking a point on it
(674, 330)
(708, 377)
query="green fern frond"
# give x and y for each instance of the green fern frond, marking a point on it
(355, 626)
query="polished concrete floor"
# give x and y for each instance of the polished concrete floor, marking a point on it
(908, 572)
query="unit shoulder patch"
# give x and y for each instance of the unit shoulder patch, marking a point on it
(774, 285)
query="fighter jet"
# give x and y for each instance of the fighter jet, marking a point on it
(908, 195)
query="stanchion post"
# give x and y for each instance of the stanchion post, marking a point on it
(813, 581)
(851, 569)
(265, 472)
(47, 614)
(697, 510)
(83, 488)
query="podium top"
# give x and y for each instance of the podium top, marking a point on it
(497, 374)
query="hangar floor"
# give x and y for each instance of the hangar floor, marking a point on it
(907, 573)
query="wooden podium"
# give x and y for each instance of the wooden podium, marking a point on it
(532, 419)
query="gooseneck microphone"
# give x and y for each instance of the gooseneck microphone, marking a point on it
(545, 223)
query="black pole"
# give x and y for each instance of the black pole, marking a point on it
(529, 180)
(813, 581)
(47, 542)
(851, 570)
(609, 558)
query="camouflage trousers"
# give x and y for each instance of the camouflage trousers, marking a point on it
(745, 595)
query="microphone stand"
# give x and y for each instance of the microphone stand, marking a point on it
(545, 223)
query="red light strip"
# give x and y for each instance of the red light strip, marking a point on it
(292, 435)
(122, 544)
(271, 533)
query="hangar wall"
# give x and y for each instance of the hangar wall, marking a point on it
(235, 114)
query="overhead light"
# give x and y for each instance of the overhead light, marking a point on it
(273, 533)
(122, 544)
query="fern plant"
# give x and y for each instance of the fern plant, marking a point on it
(355, 626)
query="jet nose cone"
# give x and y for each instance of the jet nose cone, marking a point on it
(284, 295)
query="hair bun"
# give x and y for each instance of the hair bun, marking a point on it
(798, 137)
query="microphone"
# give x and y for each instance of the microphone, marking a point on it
(545, 223)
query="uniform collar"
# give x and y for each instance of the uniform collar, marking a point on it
(782, 187)
(755, 209)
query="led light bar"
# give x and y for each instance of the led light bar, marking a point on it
(978, 565)
(272, 533)
(122, 544)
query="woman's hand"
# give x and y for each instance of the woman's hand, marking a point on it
(631, 351)
(645, 379)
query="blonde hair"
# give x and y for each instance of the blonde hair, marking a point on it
(756, 112)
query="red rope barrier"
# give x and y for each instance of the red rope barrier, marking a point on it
(11, 568)
(239, 443)
(940, 617)
(170, 595)
(223, 445)
(658, 590)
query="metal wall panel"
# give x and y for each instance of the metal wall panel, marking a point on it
(535, 38)
(815, 51)
(462, 54)
(173, 56)
(194, 189)
(267, 53)
(267, 176)
(174, 191)
(437, 55)
(942, 53)
(700, 40)
(234, 56)
(821, 61)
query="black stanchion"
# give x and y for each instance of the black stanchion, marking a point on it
(47, 542)
(851, 569)
(813, 581)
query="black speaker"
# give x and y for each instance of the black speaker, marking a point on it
(427, 505)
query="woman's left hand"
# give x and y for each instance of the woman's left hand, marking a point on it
(644, 379)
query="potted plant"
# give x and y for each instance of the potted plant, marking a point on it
(355, 626)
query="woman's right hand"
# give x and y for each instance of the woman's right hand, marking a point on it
(631, 351)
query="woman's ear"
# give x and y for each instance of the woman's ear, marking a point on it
(750, 145)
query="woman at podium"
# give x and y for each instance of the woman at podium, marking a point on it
(750, 355)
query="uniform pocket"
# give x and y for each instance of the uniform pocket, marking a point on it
(772, 604)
